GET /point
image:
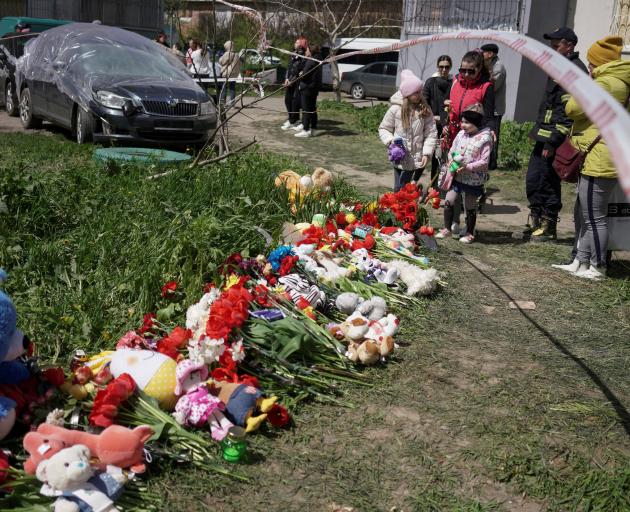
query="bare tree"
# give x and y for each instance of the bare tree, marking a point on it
(333, 19)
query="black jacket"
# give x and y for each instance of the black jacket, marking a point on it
(311, 80)
(552, 124)
(435, 91)
(296, 64)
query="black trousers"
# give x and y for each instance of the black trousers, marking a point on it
(435, 165)
(494, 156)
(292, 103)
(542, 185)
(309, 109)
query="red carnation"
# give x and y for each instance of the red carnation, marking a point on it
(108, 400)
(4, 466)
(169, 289)
(55, 376)
(369, 219)
(147, 323)
(340, 219)
(278, 416)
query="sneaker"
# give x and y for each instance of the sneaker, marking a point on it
(467, 239)
(304, 133)
(593, 273)
(287, 125)
(570, 267)
(455, 230)
(443, 233)
(298, 127)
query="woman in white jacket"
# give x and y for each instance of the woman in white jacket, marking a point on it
(409, 121)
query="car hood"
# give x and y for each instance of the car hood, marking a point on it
(148, 89)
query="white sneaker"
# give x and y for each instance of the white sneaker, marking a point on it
(298, 127)
(592, 273)
(455, 230)
(467, 239)
(571, 267)
(304, 133)
(443, 233)
(287, 125)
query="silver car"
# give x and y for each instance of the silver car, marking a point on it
(375, 79)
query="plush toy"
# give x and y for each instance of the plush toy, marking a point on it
(418, 281)
(13, 370)
(333, 270)
(355, 327)
(69, 476)
(322, 179)
(242, 402)
(374, 308)
(373, 267)
(367, 352)
(153, 372)
(298, 287)
(197, 407)
(116, 445)
(381, 332)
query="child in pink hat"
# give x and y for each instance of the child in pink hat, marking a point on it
(408, 129)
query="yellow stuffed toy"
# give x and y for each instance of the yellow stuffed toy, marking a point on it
(153, 372)
(301, 186)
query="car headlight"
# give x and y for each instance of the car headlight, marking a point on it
(110, 100)
(206, 108)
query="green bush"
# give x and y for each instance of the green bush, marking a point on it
(515, 145)
(88, 247)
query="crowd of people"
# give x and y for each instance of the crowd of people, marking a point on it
(460, 117)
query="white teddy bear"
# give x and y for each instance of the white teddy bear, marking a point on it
(69, 476)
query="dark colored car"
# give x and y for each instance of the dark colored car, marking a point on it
(11, 48)
(376, 79)
(105, 83)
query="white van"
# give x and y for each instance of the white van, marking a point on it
(349, 44)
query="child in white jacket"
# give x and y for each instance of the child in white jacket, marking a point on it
(409, 121)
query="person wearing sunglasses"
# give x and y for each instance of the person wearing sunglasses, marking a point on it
(552, 126)
(498, 75)
(436, 90)
(472, 85)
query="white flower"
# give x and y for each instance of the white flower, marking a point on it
(197, 314)
(238, 351)
(55, 417)
(206, 349)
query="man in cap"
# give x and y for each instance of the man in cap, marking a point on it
(498, 76)
(552, 127)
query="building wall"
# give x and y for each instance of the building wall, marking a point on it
(591, 20)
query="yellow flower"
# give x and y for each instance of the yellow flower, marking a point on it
(372, 206)
(232, 280)
(350, 218)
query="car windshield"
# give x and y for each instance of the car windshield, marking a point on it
(119, 61)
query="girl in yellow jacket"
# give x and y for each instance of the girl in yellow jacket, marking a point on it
(598, 176)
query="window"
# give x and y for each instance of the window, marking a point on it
(436, 16)
(376, 69)
(392, 69)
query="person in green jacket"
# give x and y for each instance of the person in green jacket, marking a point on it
(598, 176)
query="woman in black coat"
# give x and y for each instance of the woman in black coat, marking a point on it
(310, 85)
(436, 90)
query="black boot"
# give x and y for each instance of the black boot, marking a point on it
(533, 223)
(547, 230)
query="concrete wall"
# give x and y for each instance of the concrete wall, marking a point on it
(591, 20)
(524, 80)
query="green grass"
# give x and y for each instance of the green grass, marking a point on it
(483, 408)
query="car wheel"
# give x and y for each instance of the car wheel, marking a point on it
(357, 91)
(26, 111)
(10, 100)
(83, 126)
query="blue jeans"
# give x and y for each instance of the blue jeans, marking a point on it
(401, 178)
(232, 86)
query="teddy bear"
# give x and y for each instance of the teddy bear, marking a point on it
(241, 403)
(116, 445)
(196, 406)
(382, 332)
(69, 476)
(13, 371)
(300, 186)
(373, 267)
(368, 341)
(349, 302)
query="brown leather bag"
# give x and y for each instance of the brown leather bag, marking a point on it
(568, 160)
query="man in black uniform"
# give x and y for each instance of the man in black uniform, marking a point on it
(292, 92)
(551, 128)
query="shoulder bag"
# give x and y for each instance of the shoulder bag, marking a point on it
(568, 160)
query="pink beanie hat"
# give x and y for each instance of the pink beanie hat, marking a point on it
(409, 83)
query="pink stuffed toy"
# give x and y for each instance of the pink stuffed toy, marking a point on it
(197, 406)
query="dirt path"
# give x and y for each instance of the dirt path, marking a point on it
(262, 124)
